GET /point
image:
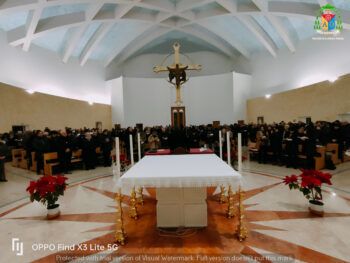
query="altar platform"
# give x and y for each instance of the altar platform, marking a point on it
(180, 182)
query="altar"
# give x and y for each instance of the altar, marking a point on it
(180, 182)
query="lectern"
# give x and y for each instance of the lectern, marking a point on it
(178, 116)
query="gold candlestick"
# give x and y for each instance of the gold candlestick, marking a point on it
(133, 210)
(140, 197)
(120, 235)
(230, 208)
(222, 195)
(241, 231)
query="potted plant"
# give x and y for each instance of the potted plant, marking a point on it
(46, 190)
(309, 182)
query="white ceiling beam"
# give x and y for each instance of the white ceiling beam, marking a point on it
(9, 6)
(284, 34)
(276, 24)
(12, 6)
(188, 5)
(73, 42)
(229, 6)
(32, 23)
(16, 36)
(286, 9)
(78, 33)
(163, 6)
(95, 41)
(259, 33)
(124, 9)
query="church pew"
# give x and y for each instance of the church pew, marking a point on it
(33, 166)
(320, 160)
(77, 156)
(333, 148)
(50, 161)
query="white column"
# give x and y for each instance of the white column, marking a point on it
(239, 152)
(220, 143)
(139, 146)
(131, 150)
(116, 168)
(228, 147)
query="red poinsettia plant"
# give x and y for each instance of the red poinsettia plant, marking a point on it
(47, 189)
(309, 182)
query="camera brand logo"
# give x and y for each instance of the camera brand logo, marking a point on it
(17, 246)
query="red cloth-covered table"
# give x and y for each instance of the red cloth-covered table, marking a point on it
(200, 151)
(159, 152)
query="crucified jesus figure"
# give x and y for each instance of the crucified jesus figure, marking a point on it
(177, 72)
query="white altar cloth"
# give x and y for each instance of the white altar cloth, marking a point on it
(191, 170)
(180, 182)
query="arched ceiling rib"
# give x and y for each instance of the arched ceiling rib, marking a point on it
(157, 18)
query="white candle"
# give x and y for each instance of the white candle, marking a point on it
(228, 148)
(131, 149)
(139, 145)
(116, 169)
(239, 152)
(220, 143)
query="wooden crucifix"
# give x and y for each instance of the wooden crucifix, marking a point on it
(177, 72)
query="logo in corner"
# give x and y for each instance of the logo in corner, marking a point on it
(328, 20)
(17, 246)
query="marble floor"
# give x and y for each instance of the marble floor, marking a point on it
(280, 228)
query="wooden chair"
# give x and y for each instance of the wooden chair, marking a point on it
(16, 157)
(333, 148)
(253, 150)
(301, 155)
(23, 163)
(50, 161)
(33, 167)
(345, 157)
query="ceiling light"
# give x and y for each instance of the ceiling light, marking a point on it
(30, 91)
(332, 79)
(267, 96)
(334, 194)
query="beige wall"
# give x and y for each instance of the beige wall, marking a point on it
(37, 110)
(321, 101)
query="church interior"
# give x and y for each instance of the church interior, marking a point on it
(174, 131)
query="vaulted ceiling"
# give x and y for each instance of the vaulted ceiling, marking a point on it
(115, 30)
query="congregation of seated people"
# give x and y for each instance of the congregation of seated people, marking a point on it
(277, 143)
(91, 144)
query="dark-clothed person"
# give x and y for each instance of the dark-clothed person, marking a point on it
(89, 152)
(3, 153)
(106, 147)
(64, 151)
(40, 146)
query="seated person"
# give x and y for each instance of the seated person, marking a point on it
(153, 141)
(3, 153)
